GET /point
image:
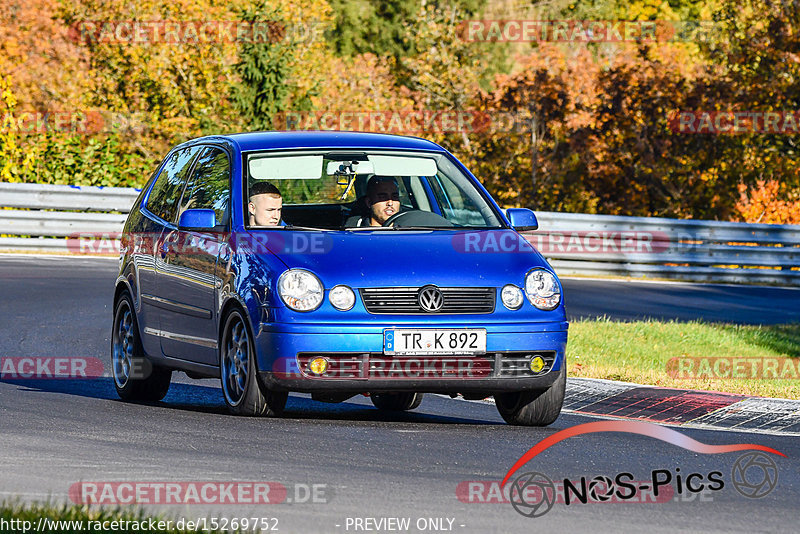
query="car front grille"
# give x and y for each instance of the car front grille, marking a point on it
(403, 300)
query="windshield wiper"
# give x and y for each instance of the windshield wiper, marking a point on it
(422, 227)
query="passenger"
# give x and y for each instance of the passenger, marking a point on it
(382, 200)
(265, 205)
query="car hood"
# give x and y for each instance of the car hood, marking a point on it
(460, 258)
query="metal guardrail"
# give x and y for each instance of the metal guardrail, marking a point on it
(81, 210)
(67, 197)
(655, 247)
(577, 244)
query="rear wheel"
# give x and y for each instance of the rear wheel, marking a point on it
(135, 377)
(396, 402)
(238, 372)
(533, 408)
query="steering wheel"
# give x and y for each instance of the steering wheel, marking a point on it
(418, 218)
(390, 221)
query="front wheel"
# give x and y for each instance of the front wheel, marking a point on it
(238, 373)
(396, 402)
(135, 377)
(533, 408)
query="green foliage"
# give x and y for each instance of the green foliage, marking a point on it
(8, 139)
(76, 518)
(380, 28)
(79, 160)
(263, 69)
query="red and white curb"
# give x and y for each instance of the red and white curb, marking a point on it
(708, 410)
(682, 407)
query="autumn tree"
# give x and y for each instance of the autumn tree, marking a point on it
(768, 202)
(263, 69)
(380, 28)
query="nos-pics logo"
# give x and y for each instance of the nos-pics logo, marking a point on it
(532, 494)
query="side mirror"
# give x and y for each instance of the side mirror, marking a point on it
(522, 219)
(197, 219)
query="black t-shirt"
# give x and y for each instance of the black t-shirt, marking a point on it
(357, 221)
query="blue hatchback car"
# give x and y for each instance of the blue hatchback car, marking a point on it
(336, 264)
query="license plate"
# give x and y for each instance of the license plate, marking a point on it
(410, 342)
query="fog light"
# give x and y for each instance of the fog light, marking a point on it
(342, 297)
(318, 366)
(511, 296)
(537, 364)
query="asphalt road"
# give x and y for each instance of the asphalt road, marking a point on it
(56, 433)
(629, 300)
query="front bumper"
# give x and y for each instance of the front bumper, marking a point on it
(359, 365)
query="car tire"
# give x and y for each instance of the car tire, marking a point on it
(533, 408)
(396, 402)
(136, 378)
(238, 372)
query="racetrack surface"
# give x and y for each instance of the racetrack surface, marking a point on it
(58, 432)
(635, 300)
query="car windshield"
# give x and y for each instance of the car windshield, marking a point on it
(364, 191)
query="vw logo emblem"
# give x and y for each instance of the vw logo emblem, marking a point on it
(430, 299)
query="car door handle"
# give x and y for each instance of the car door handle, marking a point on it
(167, 245)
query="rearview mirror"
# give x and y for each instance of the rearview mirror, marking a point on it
(349, 168)
(522, 219)
(197, 219)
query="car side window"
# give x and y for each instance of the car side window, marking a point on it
(456, 206)
(166, 192)
(209, 186)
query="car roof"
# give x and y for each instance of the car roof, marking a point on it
(273, 140)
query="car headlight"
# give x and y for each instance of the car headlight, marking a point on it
(342, 297)
(511, 296)
(542, 289)
(300, 290)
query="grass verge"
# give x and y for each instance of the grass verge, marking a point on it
(749, 360)
(17, 517)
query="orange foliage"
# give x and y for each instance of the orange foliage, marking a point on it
(46, 70)
(361, 83)
(763, 204)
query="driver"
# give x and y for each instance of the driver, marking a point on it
(265, 205)
(382, 199)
